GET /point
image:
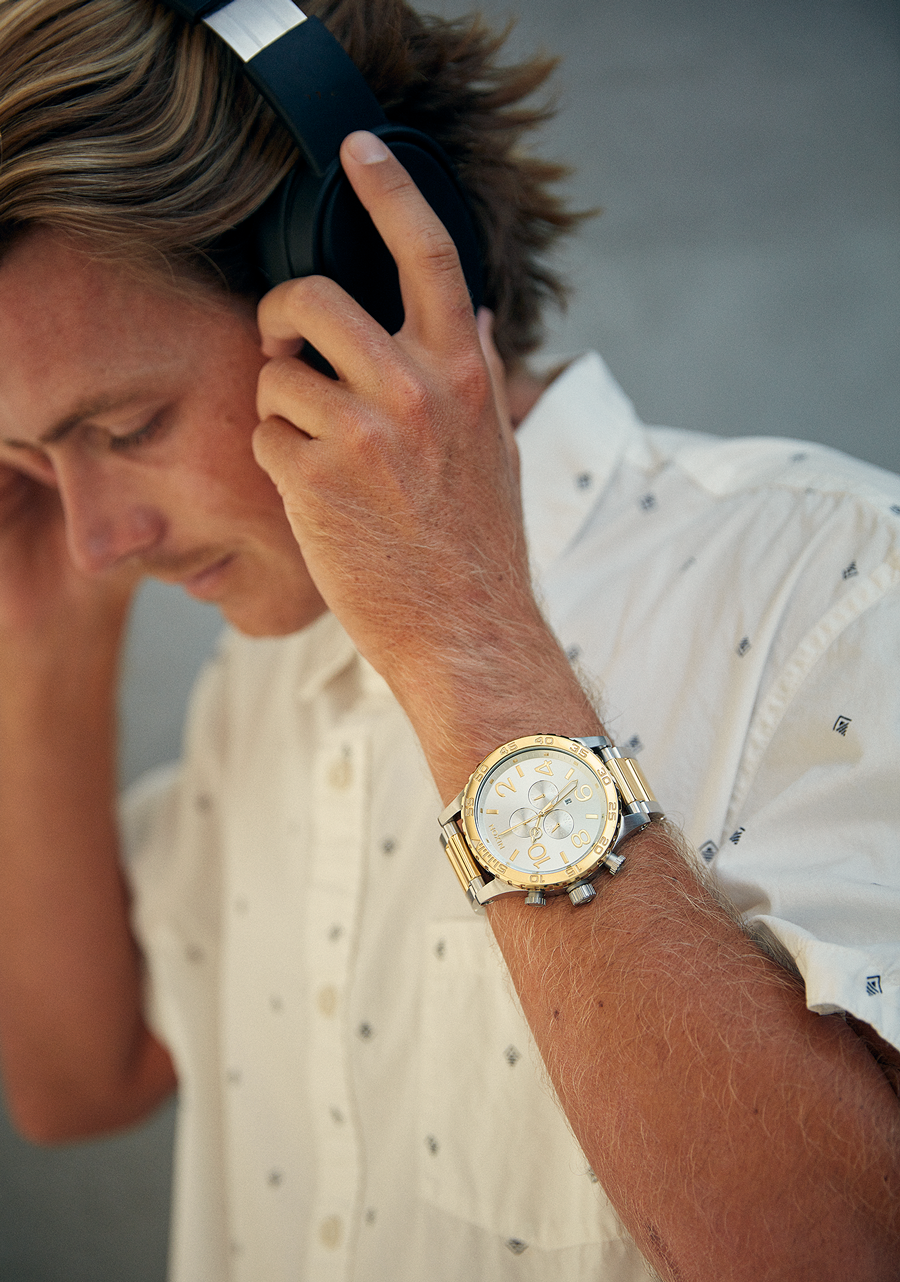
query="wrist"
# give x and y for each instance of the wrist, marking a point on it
(62, 676)
(464, 704)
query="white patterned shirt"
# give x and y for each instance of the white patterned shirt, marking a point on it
(361, 1099)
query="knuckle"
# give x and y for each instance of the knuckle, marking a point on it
(437, 251)
(412, 394)
(294, 298)
(469, 379)
(310, 292)
(473, 376)
(279, 379)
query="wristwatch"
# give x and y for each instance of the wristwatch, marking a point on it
(544, 815)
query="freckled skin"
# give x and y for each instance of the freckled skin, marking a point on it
(190, 495)
(409, 459)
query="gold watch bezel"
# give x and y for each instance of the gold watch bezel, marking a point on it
(522, 879)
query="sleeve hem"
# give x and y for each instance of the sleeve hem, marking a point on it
(862, 980)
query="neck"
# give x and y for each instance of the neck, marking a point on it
(522, 391)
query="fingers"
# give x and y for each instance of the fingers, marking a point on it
(293, 393)
(435, 296)
(317, 309)
(275, 450)
(370, 363)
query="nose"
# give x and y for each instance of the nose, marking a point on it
(106, 521)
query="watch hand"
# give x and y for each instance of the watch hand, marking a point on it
(540, 814)
(552, 804)
(509, 830)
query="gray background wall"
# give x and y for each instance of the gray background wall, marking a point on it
(745, 277)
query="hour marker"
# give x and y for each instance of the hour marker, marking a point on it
(571, 772)
(521, 772)
(493, 812)
(496, 812)
(513, 855)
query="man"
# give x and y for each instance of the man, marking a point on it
(359, 1097)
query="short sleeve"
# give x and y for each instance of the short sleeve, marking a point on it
(813, 855)
(146, 823)
(169, 826)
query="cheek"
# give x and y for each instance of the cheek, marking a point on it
(220, 477)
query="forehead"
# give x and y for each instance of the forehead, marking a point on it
(74, 328)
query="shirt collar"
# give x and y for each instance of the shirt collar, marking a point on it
(569, 445)
(323, 651)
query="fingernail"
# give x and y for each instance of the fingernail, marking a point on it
(365, 148)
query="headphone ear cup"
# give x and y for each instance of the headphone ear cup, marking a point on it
(313, 225)
(282, 231)
(348, 248)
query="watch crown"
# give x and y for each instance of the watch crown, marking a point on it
(535, 897)
(583, 893)
(613, 862)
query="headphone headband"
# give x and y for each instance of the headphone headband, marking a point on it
(284, 52)
(313, 222)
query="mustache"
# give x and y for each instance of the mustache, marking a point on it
(176, 567)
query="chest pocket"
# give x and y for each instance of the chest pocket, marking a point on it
(496, 1149)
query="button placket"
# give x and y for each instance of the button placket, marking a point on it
(263, 1023)
(332, 903)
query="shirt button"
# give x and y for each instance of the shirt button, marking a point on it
(327, 999)
(331, 1231)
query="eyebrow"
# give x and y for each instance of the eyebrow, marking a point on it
(83, 411)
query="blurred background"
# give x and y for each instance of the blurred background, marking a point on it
(744, 278)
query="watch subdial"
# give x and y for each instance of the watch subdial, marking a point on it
(558, 824)
(542, 794)
(521, 821)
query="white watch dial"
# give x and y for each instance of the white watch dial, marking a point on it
(541, 812)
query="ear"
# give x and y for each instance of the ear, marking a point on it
(497, 370)
(514, 394)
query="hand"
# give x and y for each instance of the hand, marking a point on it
(42, 595)
(400, 479)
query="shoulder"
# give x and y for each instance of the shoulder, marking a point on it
(727, 466)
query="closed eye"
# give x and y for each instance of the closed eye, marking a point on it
(139, 437)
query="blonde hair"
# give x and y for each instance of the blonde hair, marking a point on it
(122, 125)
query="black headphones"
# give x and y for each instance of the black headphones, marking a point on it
(313, 222)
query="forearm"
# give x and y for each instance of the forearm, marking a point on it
(77, 1056)
(738, 1134)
